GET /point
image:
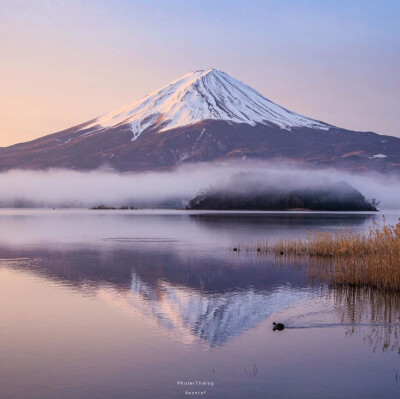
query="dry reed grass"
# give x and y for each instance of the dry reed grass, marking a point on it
(365, 259)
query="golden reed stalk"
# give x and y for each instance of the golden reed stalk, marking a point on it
(365, 259)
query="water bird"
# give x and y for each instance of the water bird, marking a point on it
(278, 326)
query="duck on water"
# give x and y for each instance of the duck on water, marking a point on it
(278, 326)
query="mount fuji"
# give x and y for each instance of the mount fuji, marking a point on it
(204, 116)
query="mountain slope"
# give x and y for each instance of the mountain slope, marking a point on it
(202, 116)
(199, 96)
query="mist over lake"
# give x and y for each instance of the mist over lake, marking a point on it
(58, 188)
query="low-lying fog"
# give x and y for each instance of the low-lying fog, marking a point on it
(56, 188)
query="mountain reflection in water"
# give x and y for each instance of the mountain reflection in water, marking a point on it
(177, 269)
(125, 303)
(208, 299)
(189, 296)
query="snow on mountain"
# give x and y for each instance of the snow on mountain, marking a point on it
(203, 95)
(379, 156)
(204, 116)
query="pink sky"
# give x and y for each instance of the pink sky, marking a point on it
(63, 63)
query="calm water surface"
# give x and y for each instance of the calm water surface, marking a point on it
(126, 304)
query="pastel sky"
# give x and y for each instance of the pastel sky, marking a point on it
(66, 62)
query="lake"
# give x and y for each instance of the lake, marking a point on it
(156, 304)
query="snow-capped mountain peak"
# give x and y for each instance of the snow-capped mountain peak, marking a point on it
(204, 116)
(203, 95)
